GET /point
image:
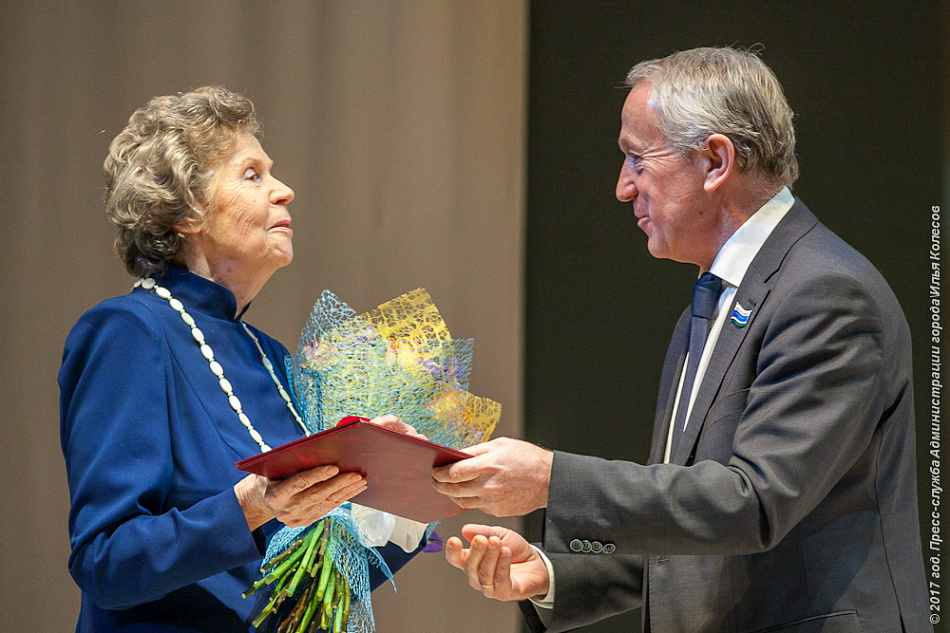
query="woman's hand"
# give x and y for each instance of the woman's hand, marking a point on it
(303, 498)
(394, 423)
(300, 499)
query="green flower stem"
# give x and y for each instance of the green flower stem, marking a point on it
(267, 610)
(324, 576)
(325, 600)
(299, 613)
(284, 566)
(284, 554)
(321, 524)
(270, 578)
(346, 602)
(337, 608)
(316, 568)
(321, 556)
(275, 601)
(328, 596)
(338, 620)
(305, 563)
(308, 612)
(289, 624)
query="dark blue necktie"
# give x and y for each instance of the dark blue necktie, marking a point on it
(705, 296)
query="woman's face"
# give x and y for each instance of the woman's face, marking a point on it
(246, 234)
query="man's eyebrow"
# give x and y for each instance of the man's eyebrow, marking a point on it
(625, 146)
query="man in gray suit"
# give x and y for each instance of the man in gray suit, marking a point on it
(780, 493)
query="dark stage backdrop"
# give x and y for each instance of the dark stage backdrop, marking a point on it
(864, 81)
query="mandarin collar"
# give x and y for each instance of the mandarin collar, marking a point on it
(200, 295)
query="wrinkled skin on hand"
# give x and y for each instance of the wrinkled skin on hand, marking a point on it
(505, 477)
(304, 497)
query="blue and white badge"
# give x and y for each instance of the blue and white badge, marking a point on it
(740, 316)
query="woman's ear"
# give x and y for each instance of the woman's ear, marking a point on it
(720, 155)
(188, 228)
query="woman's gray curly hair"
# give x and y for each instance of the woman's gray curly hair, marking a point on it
(159, 170)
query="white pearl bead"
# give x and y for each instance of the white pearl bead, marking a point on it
(148, 283)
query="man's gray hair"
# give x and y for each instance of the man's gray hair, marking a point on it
(707, 91)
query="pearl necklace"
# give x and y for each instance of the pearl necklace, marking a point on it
(149, 284)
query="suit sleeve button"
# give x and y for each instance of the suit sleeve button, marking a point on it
(596, 547)
(609, 548)
(586, 547)
(576, 545)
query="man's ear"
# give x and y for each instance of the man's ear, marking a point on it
(719, 156)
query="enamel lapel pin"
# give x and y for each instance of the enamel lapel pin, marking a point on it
(740, 315)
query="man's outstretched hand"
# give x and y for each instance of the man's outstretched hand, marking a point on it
(500, 563)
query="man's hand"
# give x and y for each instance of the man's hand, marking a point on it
(500, 563)
(505, 477)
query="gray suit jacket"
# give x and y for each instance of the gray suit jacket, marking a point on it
(790, 505)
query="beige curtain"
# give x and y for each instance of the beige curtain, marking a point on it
(399, 124)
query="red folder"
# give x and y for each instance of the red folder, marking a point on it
(397, 467)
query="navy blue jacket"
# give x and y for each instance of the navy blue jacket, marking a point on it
(159, 540)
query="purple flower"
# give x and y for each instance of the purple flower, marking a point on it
(434, 544)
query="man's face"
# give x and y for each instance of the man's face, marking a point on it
(665, 188)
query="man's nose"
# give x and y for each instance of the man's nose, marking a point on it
(626, 188)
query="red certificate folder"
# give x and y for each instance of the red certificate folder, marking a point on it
(397, 467)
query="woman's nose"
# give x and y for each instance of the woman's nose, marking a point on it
(282, 194)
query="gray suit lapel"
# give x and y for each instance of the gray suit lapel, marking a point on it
(669, 381)
(750, 295)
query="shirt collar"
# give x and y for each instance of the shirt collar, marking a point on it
(737, 253)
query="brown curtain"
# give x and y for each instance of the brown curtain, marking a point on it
(399, 124)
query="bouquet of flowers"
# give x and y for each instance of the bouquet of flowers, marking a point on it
(397, 359)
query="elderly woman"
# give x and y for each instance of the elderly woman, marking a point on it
(164, 389)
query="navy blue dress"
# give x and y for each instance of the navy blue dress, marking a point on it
(159, 540)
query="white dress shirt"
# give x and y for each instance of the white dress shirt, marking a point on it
(730, 265)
